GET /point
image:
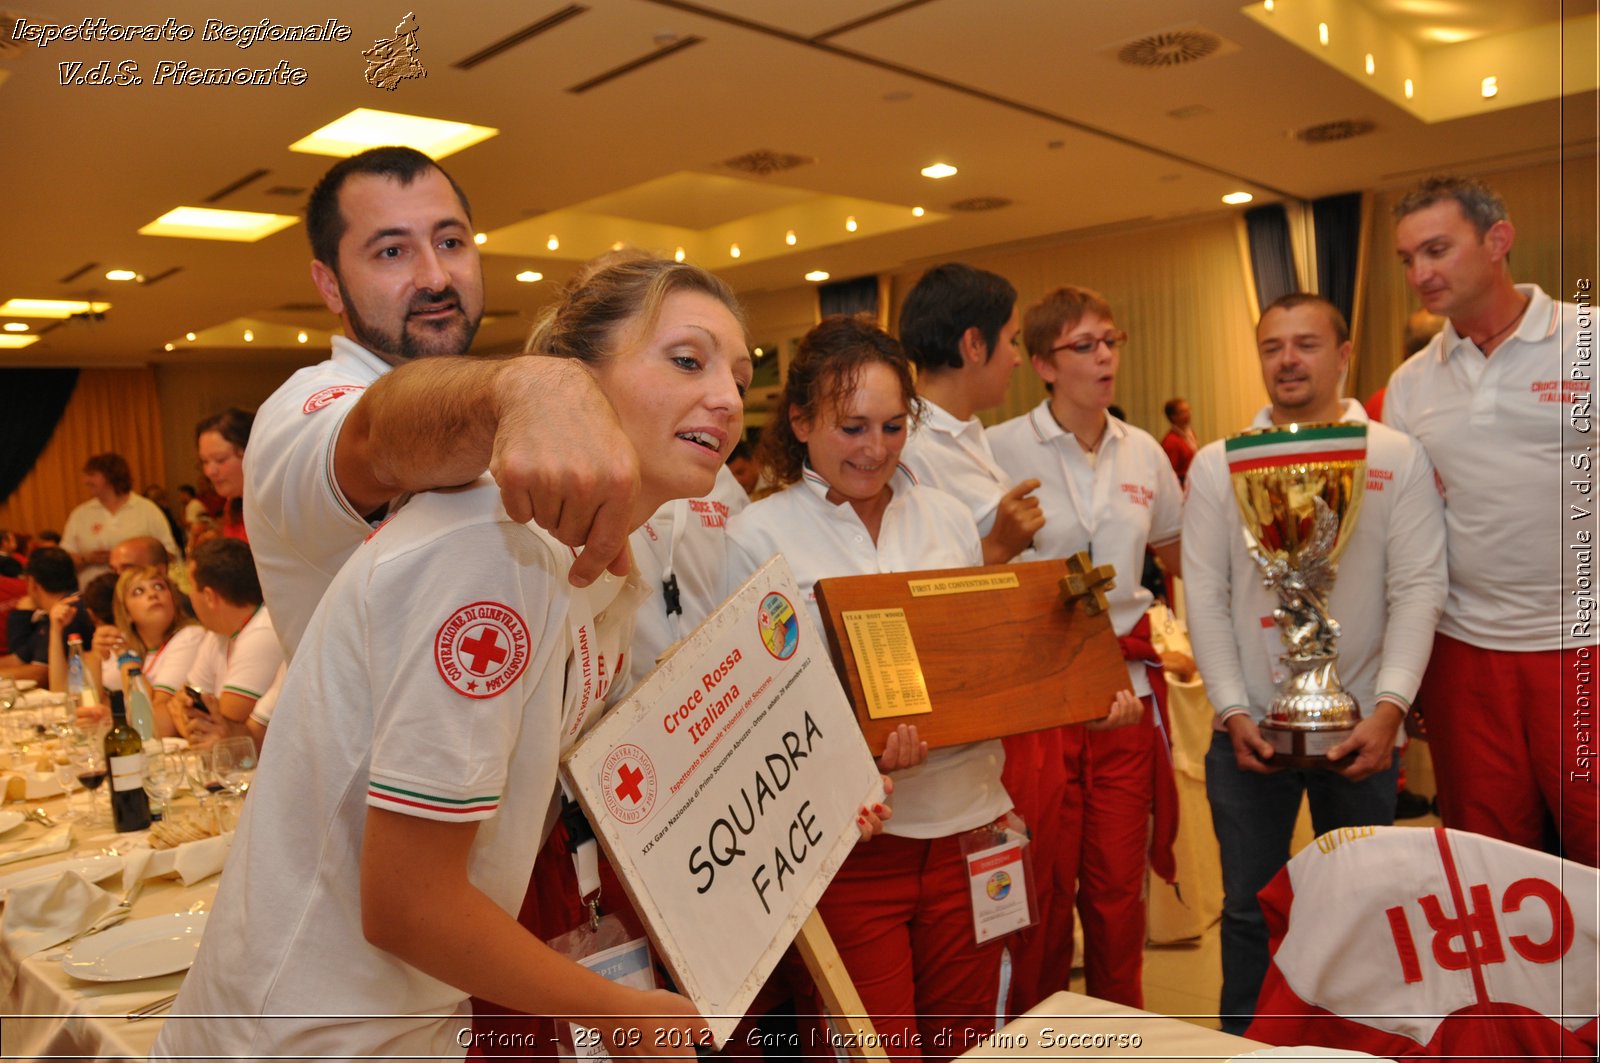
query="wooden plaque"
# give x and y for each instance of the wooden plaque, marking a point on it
(999, 650)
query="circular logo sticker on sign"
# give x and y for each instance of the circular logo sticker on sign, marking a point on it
(779, 627)
(481, 649)
(628, 783)
(327, 395)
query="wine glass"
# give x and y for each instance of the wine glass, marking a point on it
(89, 765)
(235, 763)
(164, 772)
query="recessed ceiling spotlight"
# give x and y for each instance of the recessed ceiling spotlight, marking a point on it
(552, 243)
(850, 224)
(121, 275)
(529, 276)
(1268, 5)
(917, 212)
(1322, 33)
(733, 251)
(790, 238)
(480, 238)
(817, 276)
(1372, 65)
(939, 170)
(1491, 87)
(757, 353)
(1410, 89)
(189, 336)
(678, 255)
(167, 347)
(302, 337)
(249, 337)
(16, 326)
(1235, 198)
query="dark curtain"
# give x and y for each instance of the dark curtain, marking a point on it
(1337, 220)
(35, 401)
(1271, 255)
(858, 296)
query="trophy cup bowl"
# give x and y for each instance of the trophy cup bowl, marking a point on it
(1298, 489)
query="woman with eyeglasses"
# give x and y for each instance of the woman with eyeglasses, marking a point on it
(1107, 489)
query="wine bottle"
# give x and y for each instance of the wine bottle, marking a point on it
(130, 805)
(141, 703)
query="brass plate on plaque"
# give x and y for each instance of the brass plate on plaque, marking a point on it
(1012, 659)
(891, 675)
(991, 581)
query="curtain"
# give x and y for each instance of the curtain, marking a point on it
(1271, 252)
(857, 296)
(1337, 222)
(110, 410)
(30, 422)
(1180, 290)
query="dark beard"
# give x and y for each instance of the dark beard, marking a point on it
(407, 345)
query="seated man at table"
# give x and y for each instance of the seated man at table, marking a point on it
(241, 655)
(51, 577)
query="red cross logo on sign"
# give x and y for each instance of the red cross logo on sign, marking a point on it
(628, 789)
(628, 781)
(482, 649)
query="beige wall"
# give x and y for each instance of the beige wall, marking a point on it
(191, 391)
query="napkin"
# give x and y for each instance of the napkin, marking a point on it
(191, 861)
(54, 840)
(47, 913)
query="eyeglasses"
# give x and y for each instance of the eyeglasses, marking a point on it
(1113, 340)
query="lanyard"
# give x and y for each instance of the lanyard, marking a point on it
(1088, 516)
(670, 597)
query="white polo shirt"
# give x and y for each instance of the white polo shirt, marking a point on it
(954, 456)
(687, 540)
(1502, 435)
(301, 526)
(244, 663)
(1387, 596)
(957, 788)
(1127, 497)
(167, 668)
(441, 677)
(91, 526)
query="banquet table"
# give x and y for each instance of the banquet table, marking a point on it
(45, 1012)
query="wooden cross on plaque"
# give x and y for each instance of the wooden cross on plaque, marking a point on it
(1087, 581)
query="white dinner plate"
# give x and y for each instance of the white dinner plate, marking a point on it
(10, 819)
(143, 948)
(25, 685)
(95, 868)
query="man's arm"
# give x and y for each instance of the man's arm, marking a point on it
(539, 425)
(1209, 525)
(418, 904)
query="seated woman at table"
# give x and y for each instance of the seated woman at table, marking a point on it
(899, 909)
(390, 832)
(150, 623)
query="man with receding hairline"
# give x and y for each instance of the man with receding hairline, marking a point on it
(1495, 399)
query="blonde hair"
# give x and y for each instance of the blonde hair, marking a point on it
(618, 289)
(125, 624)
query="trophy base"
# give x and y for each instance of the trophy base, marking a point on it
(1307, 750)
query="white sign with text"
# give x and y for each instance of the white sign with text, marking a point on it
(725, 791)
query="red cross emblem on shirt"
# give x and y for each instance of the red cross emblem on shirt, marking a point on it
(483, 651)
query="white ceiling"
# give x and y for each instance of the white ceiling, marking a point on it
(1025, 96)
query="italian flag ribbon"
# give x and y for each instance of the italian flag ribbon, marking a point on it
(1296, 445)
